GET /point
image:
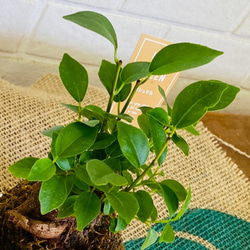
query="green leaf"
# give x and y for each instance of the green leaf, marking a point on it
(107, 74)
(181, 144)
(101, 174)
(53, 193)
(154, 214)
(167, 234)
(65, 164)
(143, 122)
(123, 93)
(170, 199)
(49, 132)
(87, 207)
(162, 92)
(71, 107)
(21, 168)
(74, 77)
(95, 22)
(227, 97)
(151, 238)
(195, 100)
(95, 112)
(74, 139)
(42, 170)
(184, 206)
(134, 71)
(79, 183)
(191, 129)
(160, 115)
(159, 139)
(120, 224)
(146, 205)
(125, 204)
(125, 117)
(103, 140)
(107, 209)
(67, 208)
(133, 143)
(178, 189)
(181, 56)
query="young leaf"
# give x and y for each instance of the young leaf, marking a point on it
(170, 199)
(178, 189)
(184, 206)
(133, 143)
(167, 234)
(74, 77)
(74, 139)
(53, 193)
(151, 238)
(134, 71)
(195, 100)
(65, 164)
(120, 224)
(49, 132)
(87, 207)
(191, 129)
(67, 208)
(181, 143)
(181, 56)
(101, 174)
(42, 170)
(107, 209)
(160, 115)
(162, 92)
(159, 139)
(227, 97)
(107, 73)
(125, 204)
(123, 93)
(21, 168)
(95, 22)
(143, 122)
(146, 205)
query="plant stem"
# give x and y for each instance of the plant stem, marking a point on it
(112, 95)
(138, 83)
(140, 177)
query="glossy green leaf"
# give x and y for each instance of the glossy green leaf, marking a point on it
(123, 93)
(227, 97)
(170, 199)
(120, 224)
(79, 183)
(95, 22)
(107, 209)
(42, 170)
(21, 168)
(154, 214)
(101, 174)
(74, 77)
(49, 132)
(67, 208)
(184, 206)
(134, 71)
(162, 92)
(160, 115)
(143, 122)
(95, 112)
(191, 129)
(151, 238)
(125, 117)
(91, 123)
(71, 107)
(87, 207)
(159, 139)
(103, 140)
(195, 100)
(114, 150)
(133, 143)
(65, 164)
(146, 205)
(167, 234)
(178, 189)
(125, 204)
(53, 193)
(181, 143)
(107, 74)
(181, 56)
(74, 139)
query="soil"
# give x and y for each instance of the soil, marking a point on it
(23, 227)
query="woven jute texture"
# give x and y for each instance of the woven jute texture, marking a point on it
(215, 180)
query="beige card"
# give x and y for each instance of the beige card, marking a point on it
(148, 94)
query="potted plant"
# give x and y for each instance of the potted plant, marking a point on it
(98, 177)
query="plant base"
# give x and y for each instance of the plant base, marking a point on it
(23, 227)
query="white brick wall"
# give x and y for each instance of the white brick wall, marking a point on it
(33, 37)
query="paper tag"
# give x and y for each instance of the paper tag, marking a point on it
(148, 93)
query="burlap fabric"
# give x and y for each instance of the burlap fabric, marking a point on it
(216, 182)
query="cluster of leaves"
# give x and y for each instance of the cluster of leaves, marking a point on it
(98, 162)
